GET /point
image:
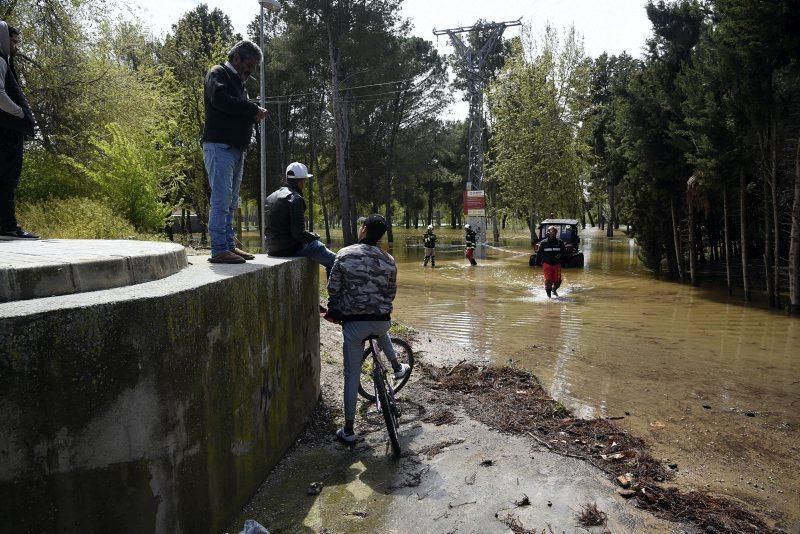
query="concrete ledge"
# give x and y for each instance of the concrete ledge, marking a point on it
(35, 269)
(157, 407)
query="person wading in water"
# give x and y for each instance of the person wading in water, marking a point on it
(550, 252)
(429, 240)
(469, 244)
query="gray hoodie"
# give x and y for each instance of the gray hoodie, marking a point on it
(6, 104)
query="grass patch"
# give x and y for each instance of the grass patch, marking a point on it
(77, 218)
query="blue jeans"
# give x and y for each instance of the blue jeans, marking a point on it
(224, 165)
(354, 333)
(319, 253)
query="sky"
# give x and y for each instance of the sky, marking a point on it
(606, 25)
(612, 26)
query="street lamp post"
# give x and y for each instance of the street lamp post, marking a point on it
(273, 6)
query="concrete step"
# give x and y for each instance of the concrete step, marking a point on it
(52, 267)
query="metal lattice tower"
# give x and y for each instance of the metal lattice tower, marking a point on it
(475, 63)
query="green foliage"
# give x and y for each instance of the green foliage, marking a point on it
(47, 175)
(76, 218)
(133, 174)
(538, 104)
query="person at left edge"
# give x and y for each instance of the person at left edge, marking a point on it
(16, 121)
(230, 117)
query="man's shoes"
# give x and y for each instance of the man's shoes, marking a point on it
(555, 292)
(403, 371)
(548, 291)
(242, 253)
(344, 437)
(226, 257)
(17, 233)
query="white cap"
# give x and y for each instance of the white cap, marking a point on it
(430, 227)
(297, 171)
(467, 226)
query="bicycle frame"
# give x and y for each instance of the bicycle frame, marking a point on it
(380, 369)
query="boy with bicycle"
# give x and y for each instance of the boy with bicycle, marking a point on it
(361, 288)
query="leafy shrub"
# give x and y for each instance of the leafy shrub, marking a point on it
(76, 218)
(133, 173)
(47, 175)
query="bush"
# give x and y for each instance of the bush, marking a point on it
(76, 218)
(133, 173)
(47, 175)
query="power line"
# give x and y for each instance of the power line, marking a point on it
(349, 89)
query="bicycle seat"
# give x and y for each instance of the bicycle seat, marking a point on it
(370, 337)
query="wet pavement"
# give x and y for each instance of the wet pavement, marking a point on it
(442, 483)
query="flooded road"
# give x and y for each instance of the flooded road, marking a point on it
(713, 386)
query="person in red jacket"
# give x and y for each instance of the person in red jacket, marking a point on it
(551, 251)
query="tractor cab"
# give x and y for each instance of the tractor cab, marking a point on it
(568, 233)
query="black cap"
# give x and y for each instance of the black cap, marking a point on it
(376, 226)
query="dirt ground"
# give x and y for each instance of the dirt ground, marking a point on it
(485, 450)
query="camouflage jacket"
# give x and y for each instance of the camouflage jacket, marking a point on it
(362, 284)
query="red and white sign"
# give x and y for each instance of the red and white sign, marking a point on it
(474, 201)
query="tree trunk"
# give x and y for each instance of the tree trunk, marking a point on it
(692, 248)
(611, 211)
(676, 238)
(399, 108)
(495, 226)
(768, 246)
(794, 240)
(341, 135)
(775, 212)
(727, 238)
(314, 174)
(743, 234)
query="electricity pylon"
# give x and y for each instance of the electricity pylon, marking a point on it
(475, 63)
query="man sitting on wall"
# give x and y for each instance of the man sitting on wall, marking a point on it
(284, 221)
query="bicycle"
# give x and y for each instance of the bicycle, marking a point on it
(404, 355)
(384, 390)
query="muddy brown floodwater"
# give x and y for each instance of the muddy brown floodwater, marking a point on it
(714, 386)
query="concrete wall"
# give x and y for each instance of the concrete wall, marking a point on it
(154, 408)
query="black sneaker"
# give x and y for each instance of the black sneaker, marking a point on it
(548, 292)
(17, 233)
(555, 292)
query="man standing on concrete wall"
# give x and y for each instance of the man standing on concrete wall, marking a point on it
(285, 226)
(230, 117)
(16, 121)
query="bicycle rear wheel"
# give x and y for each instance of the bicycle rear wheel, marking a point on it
(404, 355)
(389, 410)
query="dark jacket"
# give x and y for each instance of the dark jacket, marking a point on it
(229, 115)
(551, 251)
(13, 90)
(470, 238)
(429, 240)
(284, 215)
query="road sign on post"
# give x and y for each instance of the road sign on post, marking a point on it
(474, 201)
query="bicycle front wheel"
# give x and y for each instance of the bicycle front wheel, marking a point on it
(404, 355)
(389, 410)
